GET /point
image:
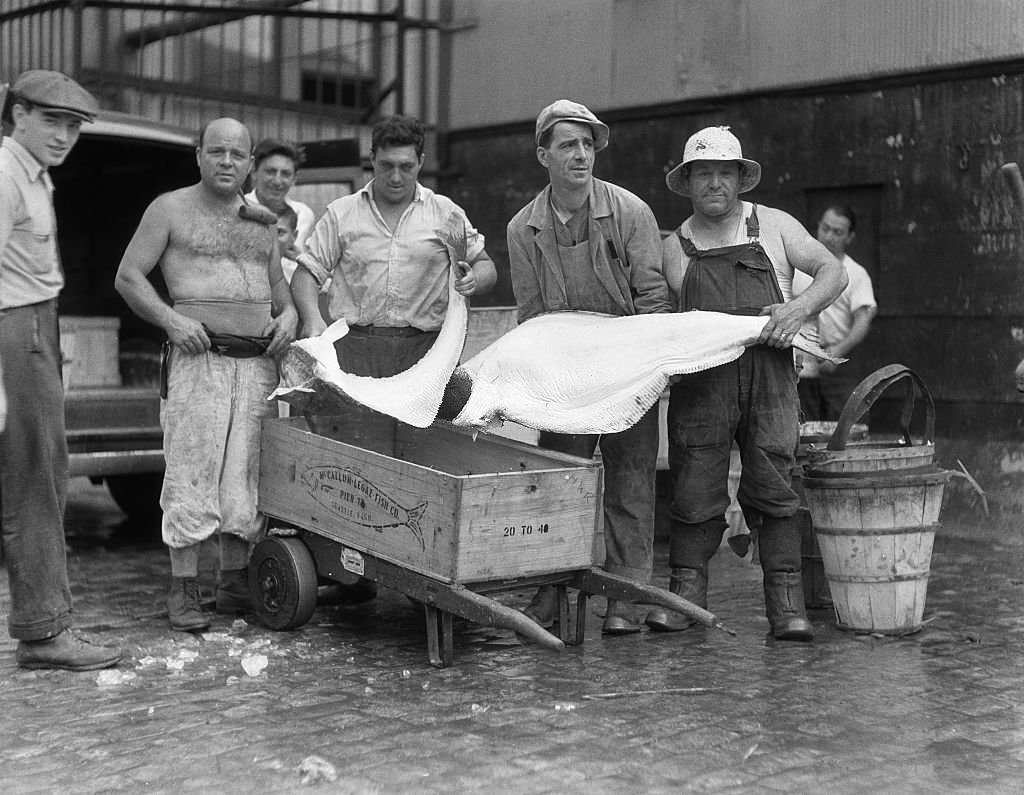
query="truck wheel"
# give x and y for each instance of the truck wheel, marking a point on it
(283, 582)
(138, 495)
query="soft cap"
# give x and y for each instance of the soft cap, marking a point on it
(567, 110)
(56, 91)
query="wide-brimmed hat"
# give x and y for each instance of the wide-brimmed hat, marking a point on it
(714, 143)
(567, 110)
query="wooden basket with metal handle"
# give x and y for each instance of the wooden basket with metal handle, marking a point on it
(843, 456)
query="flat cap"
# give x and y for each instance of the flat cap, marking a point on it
(567, 110)
(56, 91)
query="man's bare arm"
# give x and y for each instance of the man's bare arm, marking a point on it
(143, 254)
(862, 318)
(829, 280)
(306, 292)
(283, 326)
(478, 276)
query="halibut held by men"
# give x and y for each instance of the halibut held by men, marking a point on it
(568, 372)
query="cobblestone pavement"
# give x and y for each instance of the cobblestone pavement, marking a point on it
(699, 711)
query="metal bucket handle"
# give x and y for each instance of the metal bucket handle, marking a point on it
(869, 390)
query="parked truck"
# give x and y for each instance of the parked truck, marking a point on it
(111, 358)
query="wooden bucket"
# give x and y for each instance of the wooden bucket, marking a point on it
(820, 431)
(816, 591)
(875, 533)
(842, 455)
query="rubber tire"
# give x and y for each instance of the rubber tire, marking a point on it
(283, 582)
(138, 495)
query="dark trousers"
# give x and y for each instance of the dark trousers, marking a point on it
(630, 460)
(34, 472)
(752, 401)
(378, 353)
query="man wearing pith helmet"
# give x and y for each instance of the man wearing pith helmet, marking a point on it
(46, 110)
(738, 257)
(586, 244)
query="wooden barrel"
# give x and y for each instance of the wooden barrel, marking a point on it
(875, 533)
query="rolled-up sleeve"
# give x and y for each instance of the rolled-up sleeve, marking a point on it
(474, 242)
(323, 247)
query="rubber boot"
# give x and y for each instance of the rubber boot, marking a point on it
(619, 621)
(185, 607)
(233, 595)
(690, 584)
(784, 606)
(543, 608)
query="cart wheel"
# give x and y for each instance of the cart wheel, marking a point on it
(283, 580)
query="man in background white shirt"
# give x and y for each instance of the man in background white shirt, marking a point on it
(275, 166)
(842, 326)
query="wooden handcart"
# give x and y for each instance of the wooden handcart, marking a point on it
(446, 519)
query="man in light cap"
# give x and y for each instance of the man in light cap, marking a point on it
(46, 110)
(737, 257)
(588, 245)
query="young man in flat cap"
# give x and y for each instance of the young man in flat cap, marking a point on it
(589, 245)
(737, 257)
(46, 111)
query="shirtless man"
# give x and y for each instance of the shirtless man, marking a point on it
(223, 274)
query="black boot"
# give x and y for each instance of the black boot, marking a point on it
(185, 606)
(690, 584)
(784, 606)
(619, 620)
(543, 608)
(233, 595)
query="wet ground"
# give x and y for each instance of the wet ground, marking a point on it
(348, 703)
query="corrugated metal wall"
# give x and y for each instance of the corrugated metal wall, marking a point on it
(627, 53)
(949, 257)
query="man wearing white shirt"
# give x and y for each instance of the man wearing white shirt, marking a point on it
(842, 326)
(276, 165)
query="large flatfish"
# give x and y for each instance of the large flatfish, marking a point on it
(583, 372)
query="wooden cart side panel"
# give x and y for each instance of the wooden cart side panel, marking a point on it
(454, 450)
(527, 523)
(371, 502)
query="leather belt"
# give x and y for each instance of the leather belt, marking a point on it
(385, 331)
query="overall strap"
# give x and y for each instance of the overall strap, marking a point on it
(753, 226)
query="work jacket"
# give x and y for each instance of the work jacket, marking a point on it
(625, 255)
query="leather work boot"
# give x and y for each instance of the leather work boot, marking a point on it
(691, 585)
(67, 651)
(543, 608)
(233, 595)
(618, 621)
(784, 606)
(184, 606)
